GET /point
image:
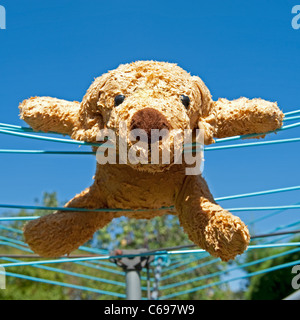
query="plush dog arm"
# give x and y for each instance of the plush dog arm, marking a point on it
(207, 224)
(244, 116)
(50, 114)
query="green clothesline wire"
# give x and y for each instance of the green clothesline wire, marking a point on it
(252, 144)
(24, 218)
(10, 151)
(217, 260)
(28, 129)
(291, 112)
(11, 229)
(23, 129)
(82, 248)
(282, 237)
(14, 245)
(62, 284)
(281, 266)
(199, 266)
(258, 193)
(172, 267)
(27, 218)
(243, 145)
(269, 215)
(71, 273)
(76, 274)
(162, 287)
(292, 118)
(11, 130)
(23, 247)
(245, 195)
(180, 272)
(219, 273)
(41, 280)
(152, 253)
(183, 262)
(165, 277)
(283, 128)
(163, 297)
(19, 242)
(25, 135)
(264, 208)
(167, 286)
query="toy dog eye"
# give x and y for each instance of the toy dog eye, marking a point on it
(119, 99)
(185, 101)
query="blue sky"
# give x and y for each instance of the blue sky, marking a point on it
(239, 48)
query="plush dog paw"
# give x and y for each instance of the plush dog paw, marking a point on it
(216, 230)
(60, 233)
(226, 236)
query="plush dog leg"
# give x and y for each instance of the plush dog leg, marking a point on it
(62, 232)
(207, 224)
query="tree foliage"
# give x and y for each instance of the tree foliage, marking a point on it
(274, 285)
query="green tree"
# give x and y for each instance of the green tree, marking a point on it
(18, 288)
(274, 285)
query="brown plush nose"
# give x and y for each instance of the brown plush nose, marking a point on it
(147, 119)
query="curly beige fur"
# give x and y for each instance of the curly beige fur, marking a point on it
(157, 86)
(50, 114)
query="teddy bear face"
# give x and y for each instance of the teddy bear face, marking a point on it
(144, 95)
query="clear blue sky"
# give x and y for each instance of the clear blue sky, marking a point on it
(239, 48)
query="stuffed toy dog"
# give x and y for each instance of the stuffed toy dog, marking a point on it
(146, 95)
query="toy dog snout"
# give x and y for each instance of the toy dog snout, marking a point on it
(148, 119)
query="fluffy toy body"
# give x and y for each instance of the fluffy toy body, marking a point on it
(146, 95)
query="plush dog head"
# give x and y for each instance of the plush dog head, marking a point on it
(138, 98)
(144, 95)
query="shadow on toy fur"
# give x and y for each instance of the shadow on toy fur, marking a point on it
(147, 95)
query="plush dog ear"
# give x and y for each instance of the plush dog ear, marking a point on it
(90, 119)
(206, 115)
